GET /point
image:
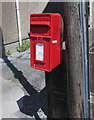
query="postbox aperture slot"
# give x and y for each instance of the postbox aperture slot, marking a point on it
(46, 39)
(40, 38)
(40, 30)
(34, 38)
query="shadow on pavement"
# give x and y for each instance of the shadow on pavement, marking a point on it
(27, 104)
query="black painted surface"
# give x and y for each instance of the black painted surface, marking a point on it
(56, 82)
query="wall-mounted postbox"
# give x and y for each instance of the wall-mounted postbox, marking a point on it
(46, 36)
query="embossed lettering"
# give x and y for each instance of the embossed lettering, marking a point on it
(40, 18)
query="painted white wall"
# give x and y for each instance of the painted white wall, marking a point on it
(92, 13)
(9, 22)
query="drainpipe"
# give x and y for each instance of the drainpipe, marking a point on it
(18, 22)
(85, 58)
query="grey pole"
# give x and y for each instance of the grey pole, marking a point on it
(84, 35)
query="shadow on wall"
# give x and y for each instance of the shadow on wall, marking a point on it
(54, 7)
(2, 49)
(29, 105)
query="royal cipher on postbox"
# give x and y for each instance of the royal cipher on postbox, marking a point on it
(46, 36)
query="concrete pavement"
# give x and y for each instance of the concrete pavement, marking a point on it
(20, 84)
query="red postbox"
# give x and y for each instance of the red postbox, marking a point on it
(46, 36)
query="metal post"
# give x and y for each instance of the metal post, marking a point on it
(84, 35)
(18, 20)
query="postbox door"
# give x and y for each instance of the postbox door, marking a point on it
(40, 55)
